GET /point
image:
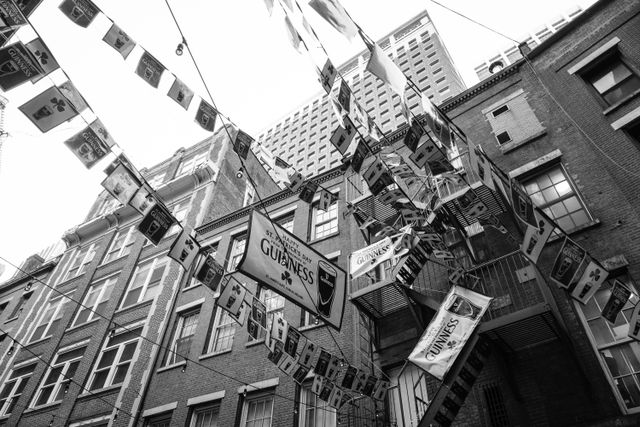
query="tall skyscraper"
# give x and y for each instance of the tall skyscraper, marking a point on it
(302, 137)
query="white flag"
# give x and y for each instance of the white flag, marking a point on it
(381, 66)
(335, 14)
(184, 249)
(536, 237)
(366, 259)
(590, 281)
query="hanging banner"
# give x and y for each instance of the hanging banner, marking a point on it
(359, 155)
(298, 273)
(209, 272)
(590, 281)
(448, 332)
(381, 66)
(155, 225)
(143, 200)
(326, 200)
(87, 147)
(185, 249)
(328, 76)
(119, 40)
(180, 93)
(308, 191)
(120, 182)
(619, 296)
(231, 296)
(82, 12)
(536, 237)
(45, 59)
(48, 109)
(342, 136)
(73, 96)
(567, 263)
(366, 259)
(336, 15)
(413, 136)
(242, 144)
(634, 324)
(17, 66)
(206, 116)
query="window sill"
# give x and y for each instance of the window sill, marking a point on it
(170, 367)
(513, 145)
(311, 327)
(197, 285)
(328, 236)
(82, 325)
(594, 223)
(12, 319)
(620, 103)
(99, 391)
(41, 340)
(46, 406)
(134, 306)
(254, 343)
(210, 355)
(67, 281)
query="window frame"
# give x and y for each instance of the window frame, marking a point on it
(106, 283)
(198, 410)
(314, 223)
(216, 325)
(256, 397)
(172, 355)
(190, 164)
(303, 394)
(233, 258)
(116, 362)
(12, 395)
(62, 381)
(127, 244)
(82, 266)
(155, 261)
(58, 313)
(608, 61)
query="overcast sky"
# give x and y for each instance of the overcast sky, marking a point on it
(254, 75)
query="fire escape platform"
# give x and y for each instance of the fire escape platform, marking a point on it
(380, 299)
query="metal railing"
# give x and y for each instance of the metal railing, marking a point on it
(410, 395)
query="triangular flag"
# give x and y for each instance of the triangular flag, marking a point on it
(589, 283)
(119, 40)
(82, 12)
(381, 66)
(180, 93)
(150, 69)
(336, 15)
(185, 249)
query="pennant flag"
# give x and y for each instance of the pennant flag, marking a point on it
(436, 121)
(316, 387)
(17, 65)
(73, 96)
(308, 354)
(381, 66)
(366, 259)
(82, 12)
(254, 329)
(619, 296)
(155, 225)
(279, 328)
(336, 15)
(150, 69)
(359, 155)
(430, 155)
(344, 96)
(287, 364)
(300, 373)
(360, 381)
(567, 263)
(367, 390)
(522, 204)
(102, 132)
(481, 165)
(180, 93)
(292, 341)
(328, 76)
(590, 281)
(323, 363)
(535, 238)
(342, 136)
(377, 177)
(335, 398)
(277, 353)
(87, 147)
(206, 116)
(326, 200)
(295, 181)
(269, 5)
(327, 389)
(209, 272)
(119, 40)
(349, 377)
(242, 144)
(11, 15)
(45, 59)
(413, 136)
(143, 200)
(449, 330)
(259, 312)
(48, 109)
(380, 391)
(634, 324)
(232, 296)
(185, 249)
(120, 182)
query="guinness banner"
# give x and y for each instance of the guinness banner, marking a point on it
(87, 146)
(17, 65)
(82, 12)
(448, 332)
(300, 274)
(366, 259)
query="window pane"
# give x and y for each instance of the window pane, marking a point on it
(608, 78)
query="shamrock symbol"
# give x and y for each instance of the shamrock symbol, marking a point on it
(594, 276)
(189, 243)
(236, 289)
(451, 344)
(58, 103)
(286, 276)
(42, 56)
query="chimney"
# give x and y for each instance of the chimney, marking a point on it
(524, 48)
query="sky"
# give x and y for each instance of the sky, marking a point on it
(252, 72)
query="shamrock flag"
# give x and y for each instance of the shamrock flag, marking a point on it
(232, 296)
(44, 57)
(119, 40)
(590, 281)
(185, 249)
(48, 109)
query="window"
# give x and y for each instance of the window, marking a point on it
(179, 212)
(612, 79)
(108, 205)
(156, 180)
(237, 250)
(257, 411)
(553, 192)
(249, 194)
(95, 301)
(620, 354)
(13, 387)
(315, 412)
(145, 283)
(186, 326)
(286, 222)
(274, 303)
(58, 377)
(205, 416)
(512, 119)
(52, 316)
(500, 110)
(20, 305)
(81, 261)
(189, 165)
(324, 223)
(222, 331)
(308, 319)
(121, 245)
(114, 359)
(503, 137)
(163, 420)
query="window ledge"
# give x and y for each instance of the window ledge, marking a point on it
(192, 287)
(593, 223)
(311, 327)
(46, 406)
(622, 102)
(172, 366)
(328, 236)
(81, 326)
(12, 319)
(254, 343)
(134, 306)
(41, 340)
(111, 388)
(209, 355)
(513, 145)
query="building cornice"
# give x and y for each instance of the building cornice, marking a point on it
(44, 268)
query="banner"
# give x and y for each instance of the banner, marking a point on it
(48, 109)
(17, 66)
(180, 93)
(413, 136)
(300, 274)
(150, 69)
(536, 237)
(87, 147)
(242, 144)
(119, 40)
(143, 200)
(567, 263)
(74, 97)
(336, 15)
(326, 200)
(209, 272)
(82, 12)
(102, 132)
(308, 353)
(381, 66)
(328, 76)
(366, 259)
(342, 136)
(308, 191)
(45, 59)
(430, 155)
(231, 296)
(359, 155)
(155, 225)
(11, 14)
(206, 116)
(590, 281)
(184, 249)
(619, 296)
(448, 332)
(120, 182)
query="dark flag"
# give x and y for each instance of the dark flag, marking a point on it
(413, 135)
(349, 377)
(156, 223)
(567, 263)
(380, 391)
(369, 385)
(87, 146)
(344, 96)
(327, 389)
(48, 110)
(209, 272)
(180, 93)
(292, 341)
(308, 191)
(431, 155)
(184, 249)
(150, 69)
(323, 363)
(17, 65)
(359, 156)
(342, 136)
(119, 40)
(328, 76)
(73, 96)
(206, 116)
(377, 177)
(326, 200)
(121, 183)
(44, 57)
(242, 144)
(11, 14)
(82, 12)
(259, 312)
(619, 296)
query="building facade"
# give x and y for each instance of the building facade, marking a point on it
(302, 137)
